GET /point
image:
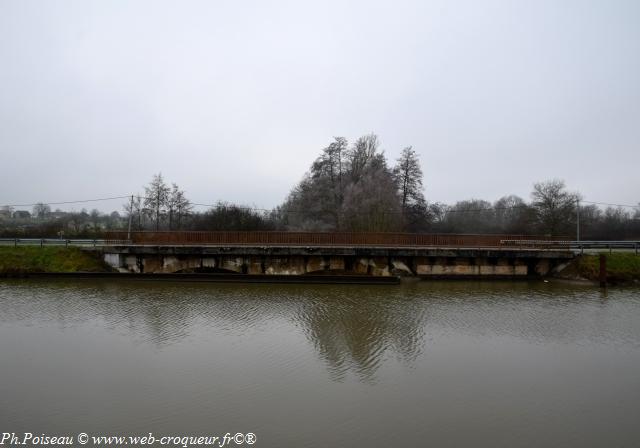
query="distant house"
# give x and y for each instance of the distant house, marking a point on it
(21, 214)
(5, 213)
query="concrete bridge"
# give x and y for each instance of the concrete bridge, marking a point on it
(313, 253)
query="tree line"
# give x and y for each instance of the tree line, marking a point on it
(354, 188)
(349, 187)
(42, 221)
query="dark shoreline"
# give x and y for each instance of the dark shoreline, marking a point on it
(249, 278)
(217, 278)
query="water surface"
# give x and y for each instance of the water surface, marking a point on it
(420, 364)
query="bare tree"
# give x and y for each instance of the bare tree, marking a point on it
(513, 215)
(555, 207)
(95, 219)
(308, 207)
(78, 221)
(171, 204)
(178, 206)
(134, 211)
(334, 154)
(156, 197)
(41, 210)
(346, 188)
(363, 151)
(183, 209)
(226, 216)
(327, 176)
(471, 216)
(408, 176)
(372, 203)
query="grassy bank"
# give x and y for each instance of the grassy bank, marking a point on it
(25, 260)
(621, 267)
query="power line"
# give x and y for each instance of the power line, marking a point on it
(612, 205)
(447, 209)
(66, 202)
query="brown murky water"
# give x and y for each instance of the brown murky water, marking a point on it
(421, 364)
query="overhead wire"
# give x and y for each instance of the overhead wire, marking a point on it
(447, 209)
(65, 202)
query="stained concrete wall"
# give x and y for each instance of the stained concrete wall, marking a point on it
(479, 267)
(314, 264)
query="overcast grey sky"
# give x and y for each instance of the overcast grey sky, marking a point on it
(233, 100)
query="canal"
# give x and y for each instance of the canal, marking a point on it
(421, 364)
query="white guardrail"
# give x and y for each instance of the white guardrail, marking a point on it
(576, 245)
(51, 242)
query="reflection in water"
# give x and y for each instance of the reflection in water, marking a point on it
(356, 333)
(353, 328)
(314, 365)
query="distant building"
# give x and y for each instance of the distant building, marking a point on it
(21, 214)
(5, 213)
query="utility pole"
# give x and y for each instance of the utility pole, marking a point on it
(130, 217)
(578, 219)
(158, 209)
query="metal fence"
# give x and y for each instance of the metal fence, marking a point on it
(348, 239)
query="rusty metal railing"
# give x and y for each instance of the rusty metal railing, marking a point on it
(371, 239)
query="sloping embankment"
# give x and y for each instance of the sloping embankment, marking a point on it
(621, 268)
(16, 261)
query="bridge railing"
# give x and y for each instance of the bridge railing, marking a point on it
(368, 239)
(51, 242)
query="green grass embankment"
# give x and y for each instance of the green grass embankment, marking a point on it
(621, 267)
(29, 260)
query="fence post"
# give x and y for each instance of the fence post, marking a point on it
(15, 242)
(603, 270)
(41, 242)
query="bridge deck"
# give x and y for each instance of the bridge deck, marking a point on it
(347, 251)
